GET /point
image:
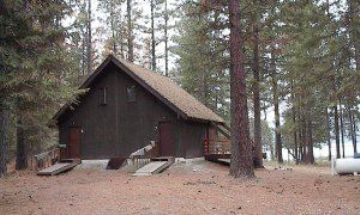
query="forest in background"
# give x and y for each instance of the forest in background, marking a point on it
(301, 60)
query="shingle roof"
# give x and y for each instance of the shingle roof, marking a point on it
(163, 88)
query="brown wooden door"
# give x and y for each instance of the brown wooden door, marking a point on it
(167, 140)
(74, 143)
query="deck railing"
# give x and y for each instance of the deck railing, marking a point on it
(142, 156)
(45, 159)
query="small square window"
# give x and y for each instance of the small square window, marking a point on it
(103, 96)
(131, 93)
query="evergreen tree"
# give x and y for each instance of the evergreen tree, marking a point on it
(204, 57)
(33, 63)
(114, 25)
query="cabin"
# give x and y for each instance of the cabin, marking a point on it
(125, 108)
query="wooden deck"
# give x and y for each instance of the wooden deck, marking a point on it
(217, 146)
(215, 150)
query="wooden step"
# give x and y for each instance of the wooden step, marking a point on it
(60, 167)
(157, 165)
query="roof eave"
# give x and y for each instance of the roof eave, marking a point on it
(201, 120)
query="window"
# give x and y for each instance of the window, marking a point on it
(103, 96)
(131, 93)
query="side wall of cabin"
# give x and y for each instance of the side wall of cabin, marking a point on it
(120, 126)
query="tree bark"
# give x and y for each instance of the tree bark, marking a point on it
(153, 40)
(112, 26)
(258, 158)
(272, 151)
(278, 141)
(303, 135)
(353, 14)
(342, 131)
(337, 136)
(328, 133)
(166, 39)
(129, 35)
(21, 147)
(4, 140)
(83, 59)
(121, 35)
(204, 88)
(310, 143)
(352, 128)
(89, 41)
(241, 164)
(301, 143)
(355, 135)
(295, 135)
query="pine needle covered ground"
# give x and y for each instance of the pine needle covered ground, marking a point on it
(198, 188)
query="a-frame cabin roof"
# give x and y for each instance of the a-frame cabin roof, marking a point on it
(160, 86)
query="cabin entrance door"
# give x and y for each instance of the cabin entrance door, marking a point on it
(167, 139)
(74, 142)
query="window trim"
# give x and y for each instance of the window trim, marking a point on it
(131, 94)
(103, 96)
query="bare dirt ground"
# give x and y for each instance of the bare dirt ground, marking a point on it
(199, 188)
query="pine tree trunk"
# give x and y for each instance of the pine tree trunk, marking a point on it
(272, 151)
(204, 88)
(129, 36)
(352, 128)
(83, 60)
(354, 22)
(328, 133)
(241, 150)
(355, 135)
(304, 136)
(295, 137)
(337, 136)
(258, 158)
(295, 134)
(112, 26)
(264, 111)
(166, 40)
(4, 131)
(120, 35)
(21, 148)
(306, 141)
(153, 40)
(278, 143)
(342, 131)
(301, 144)
(310, 143)
(121, 38)
(89, 41)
